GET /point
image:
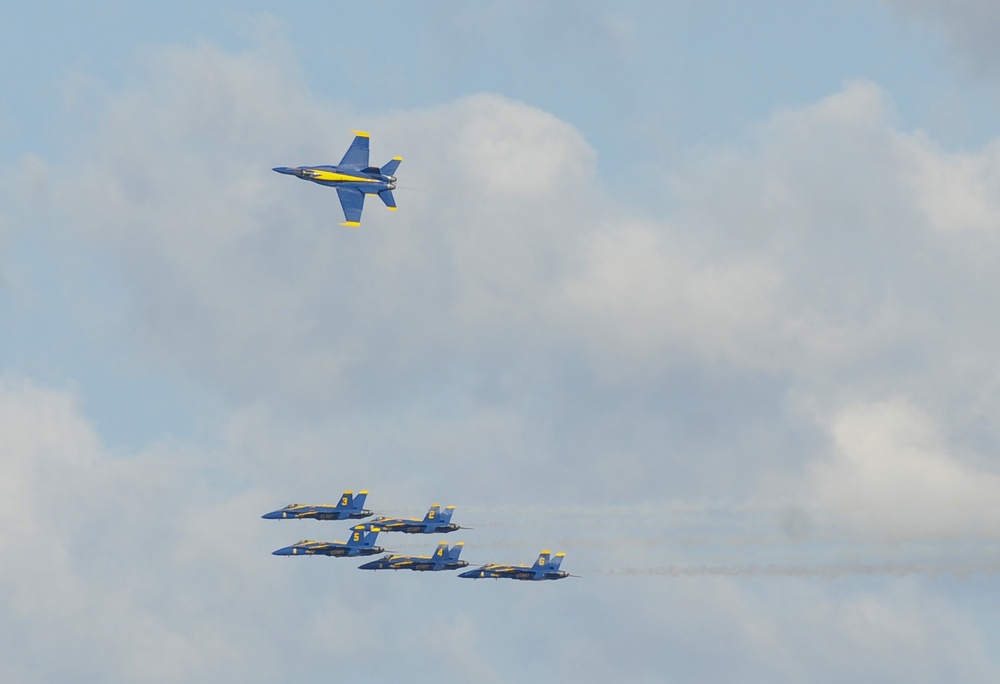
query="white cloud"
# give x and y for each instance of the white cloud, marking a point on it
(822, 257)
(956, 191)
(643, 295)
(892, 473)
(514, 334)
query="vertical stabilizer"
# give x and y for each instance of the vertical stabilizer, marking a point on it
(543, 561)
(361, 539)
(345, 499)
(433, 513)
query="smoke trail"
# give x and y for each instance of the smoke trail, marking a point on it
(832, 571)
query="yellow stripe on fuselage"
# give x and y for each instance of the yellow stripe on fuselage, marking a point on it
(321, 175)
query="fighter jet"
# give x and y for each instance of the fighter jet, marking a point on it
(353, 179)
(443, 559)
(435, 522)
(360, 544)
(543, 569)
(349, 507)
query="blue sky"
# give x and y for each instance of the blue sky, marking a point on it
(702, 294)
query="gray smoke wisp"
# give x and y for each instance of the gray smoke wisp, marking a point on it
(831, 571)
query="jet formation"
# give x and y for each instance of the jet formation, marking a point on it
(353, 178)
(437, 521)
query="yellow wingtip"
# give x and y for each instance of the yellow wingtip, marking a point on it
(397, 159)
(391, 208)
(363, 134)
(351, 224)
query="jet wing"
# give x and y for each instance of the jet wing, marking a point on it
(353, 202)
(356, 156)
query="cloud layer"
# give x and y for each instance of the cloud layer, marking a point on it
(807, 338)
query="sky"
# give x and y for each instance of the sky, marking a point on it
(702, 294)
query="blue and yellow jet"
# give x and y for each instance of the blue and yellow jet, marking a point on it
(435, 522)
(350, 507)
(443, 559)
(361, 543)
(353, 179)
(545, 568)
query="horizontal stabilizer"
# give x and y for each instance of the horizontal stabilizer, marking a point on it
(389, 200)
(390, 168)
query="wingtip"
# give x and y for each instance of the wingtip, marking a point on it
(351, 224)
(362, 134)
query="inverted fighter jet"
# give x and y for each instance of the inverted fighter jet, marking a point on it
(353, 179)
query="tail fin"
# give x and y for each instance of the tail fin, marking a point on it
(362, 539)
(390, 168)
(447, 513)
(359, 500)
(456, 551)
(388, 199)
(556, 561)
(543, 561)
(432, 513)
(441, 553)
(345, 499)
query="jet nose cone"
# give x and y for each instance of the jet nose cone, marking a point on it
(273, 515)
(287, 551)
(284, 169)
